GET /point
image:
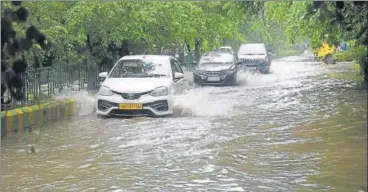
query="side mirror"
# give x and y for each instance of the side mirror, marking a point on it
(194, 62)
(102, 75)
(178, 75)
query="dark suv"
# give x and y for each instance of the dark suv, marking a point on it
(254, 57)
(216, 68)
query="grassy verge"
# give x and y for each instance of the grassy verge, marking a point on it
(354, 74)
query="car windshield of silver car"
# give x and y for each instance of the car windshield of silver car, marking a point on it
(216, 59)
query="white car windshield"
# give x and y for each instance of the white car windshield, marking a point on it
(140, 68)
(252, 50)
(215, 58)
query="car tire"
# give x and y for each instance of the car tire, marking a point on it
(236, 79)
(197, 84)
(266, 71)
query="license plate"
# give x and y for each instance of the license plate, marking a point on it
(130, 106)
(213, 79)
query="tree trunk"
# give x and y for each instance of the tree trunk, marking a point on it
(197, 47)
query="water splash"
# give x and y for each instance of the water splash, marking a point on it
(202, 101)
(85, 102)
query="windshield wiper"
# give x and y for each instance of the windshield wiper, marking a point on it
(141, 75)
(211, 63)
(133, 75)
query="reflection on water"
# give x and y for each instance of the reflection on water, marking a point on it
(291, 130)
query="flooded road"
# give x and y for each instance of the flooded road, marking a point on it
(294, 129)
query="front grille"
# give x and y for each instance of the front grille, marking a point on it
(253, 60)
(131, 96)
(213, 73)
(130, 112)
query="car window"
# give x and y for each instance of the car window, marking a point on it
(216, 58)
(174, 67)
(252, 50)
(139, 68)
(180, 70)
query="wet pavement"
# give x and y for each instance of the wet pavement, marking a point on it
(294, 129)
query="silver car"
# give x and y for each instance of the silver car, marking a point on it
(254, 57)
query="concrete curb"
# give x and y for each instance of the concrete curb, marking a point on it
(21, 119)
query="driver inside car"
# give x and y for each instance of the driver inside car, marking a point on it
(134, 70)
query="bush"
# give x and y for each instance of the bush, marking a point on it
(363, 62)
(343, 56)
(355, 52)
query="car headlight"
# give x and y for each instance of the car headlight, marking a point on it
(230, 70)
(262, 62)
(159, 91)
(105, 91)
(199, 72)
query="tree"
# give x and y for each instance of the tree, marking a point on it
(14, 45)
(350, 18)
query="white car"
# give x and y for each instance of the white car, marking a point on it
(140, 85)
(226, 49)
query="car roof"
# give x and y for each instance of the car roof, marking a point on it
(253, 45)
(226, 47)
(216, 52)
(158, 57)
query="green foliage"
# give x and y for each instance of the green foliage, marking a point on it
(90, 33)
(281, 24)
(98, 33)
(355, 52)
(343, 56)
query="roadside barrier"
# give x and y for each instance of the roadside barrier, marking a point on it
(21, 119)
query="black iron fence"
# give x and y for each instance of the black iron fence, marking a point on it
(43, 83)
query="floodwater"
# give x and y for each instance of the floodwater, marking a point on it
(294, 129)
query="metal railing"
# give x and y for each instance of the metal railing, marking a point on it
(43, 83)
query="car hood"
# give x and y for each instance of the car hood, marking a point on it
(252, 57)
(214, 67)
(136, 85)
